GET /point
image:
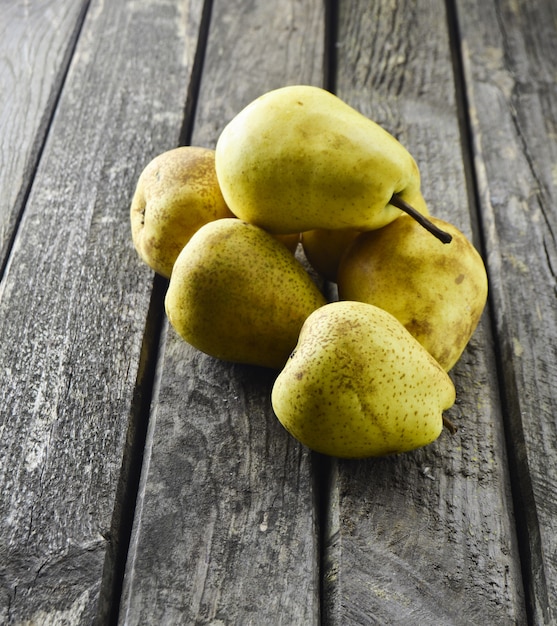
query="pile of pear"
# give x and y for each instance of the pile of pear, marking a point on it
(301, 188)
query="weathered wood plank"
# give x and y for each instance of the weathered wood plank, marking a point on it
(227, 526)
(37, 42)
(510, 53)
(426, 537)
(73, 308)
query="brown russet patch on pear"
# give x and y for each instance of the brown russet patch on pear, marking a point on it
(176, 193)
(421, 327)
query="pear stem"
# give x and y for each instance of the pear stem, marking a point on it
(452, 428)
(442, 235)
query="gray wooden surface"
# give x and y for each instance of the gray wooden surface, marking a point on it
(74, 306)
(509, 53)
(142, 482)
(37, 45)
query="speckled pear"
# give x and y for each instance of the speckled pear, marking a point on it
(175, 195)
(239, 294)
(299, 158)
(438, 292)
(359, 385)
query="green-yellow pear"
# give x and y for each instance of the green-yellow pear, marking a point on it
(238, 294)
(176, 194)
(299, 158)
(438, 292)
(358, 385)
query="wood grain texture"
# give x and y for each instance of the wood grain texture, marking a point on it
(426, 537)
(227, 523)
(509, 51)
(231, 510)
(226, 526)
(37, 43)
(73, 309)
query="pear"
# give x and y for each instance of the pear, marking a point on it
(437, 292)
(359, 385)
(175, 195)
(290, 240)
(298, 158)
(324, 248)
(238, 294)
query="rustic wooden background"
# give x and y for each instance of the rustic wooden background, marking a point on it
(143, 482)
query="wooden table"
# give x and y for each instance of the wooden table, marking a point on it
(142, 482)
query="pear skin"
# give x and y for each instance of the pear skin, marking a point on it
(359, 385)
(437, 291)
(238, 294)
(291, 241)
(175, 195)
(299, 158)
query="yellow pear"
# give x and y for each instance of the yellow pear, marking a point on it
(298, 158)
(290, 240)
(358, 385)
(324, 248)
(438, 292)
(176, 194)
(238, 294)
